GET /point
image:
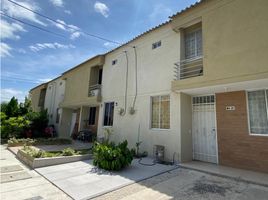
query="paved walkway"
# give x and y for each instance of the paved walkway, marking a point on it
(82, 180)
(19, 182)
(185, 184)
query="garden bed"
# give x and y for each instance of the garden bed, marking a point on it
(14, 142)
(49, 158)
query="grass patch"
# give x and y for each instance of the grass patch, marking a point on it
(12, 142)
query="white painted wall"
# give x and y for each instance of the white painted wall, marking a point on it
(155, 73)
(54, 96)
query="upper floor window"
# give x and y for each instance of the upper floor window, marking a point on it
(108, 114)
(193, 44)
(42, 97)
(258, 111)
(160, 116)
(156, 44)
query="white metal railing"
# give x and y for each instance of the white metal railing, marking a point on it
(94, 90)
(189, 68)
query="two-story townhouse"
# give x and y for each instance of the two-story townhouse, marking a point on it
(137, 101)
(80, 106)
(196, 85)
(54, 96)
(216, 109)
(222, 79)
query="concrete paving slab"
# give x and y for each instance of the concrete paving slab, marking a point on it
(11, 168)
(35, 188)
(15, 176)
(82, 180)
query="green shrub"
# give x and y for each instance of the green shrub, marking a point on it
(109, 156)
(14, 127)
(20, 142)
(39, 121)
(68, 152)
(33, 152)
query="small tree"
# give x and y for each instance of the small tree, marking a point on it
(12, 108)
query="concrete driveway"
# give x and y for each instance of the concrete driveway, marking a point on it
(81, 180)
(188, 184)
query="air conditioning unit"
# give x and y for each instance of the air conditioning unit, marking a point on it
(159, 153)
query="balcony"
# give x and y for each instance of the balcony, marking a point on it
(189, 68)
(95, 91)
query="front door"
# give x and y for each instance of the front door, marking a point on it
(204, 129)
(73, 121)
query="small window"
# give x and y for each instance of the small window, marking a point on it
(257, 111)
(92, 115)
(156, 45)
(114, 62)
(108, 114)
(60, 83)
(160, 116)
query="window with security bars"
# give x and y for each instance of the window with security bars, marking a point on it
(108, 114)
(258, 111)
(160, 116)
(193, 44)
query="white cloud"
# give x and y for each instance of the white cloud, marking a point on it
(57, 3)
(101, 8)
(75, 35)
(109, 45)
(9, 30)
(18, 12)
(40, 46)
(44, 80)
(5, 50)
(68, 12)
(74, 30)
(8, 93)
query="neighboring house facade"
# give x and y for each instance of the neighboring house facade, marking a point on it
(54, 96)
(37, 96)
(197, 85)
(82, 97)
(224, 87)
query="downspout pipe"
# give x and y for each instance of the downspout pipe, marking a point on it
(132, 110)
(125, 108)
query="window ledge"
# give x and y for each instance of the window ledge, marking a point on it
(255, 134)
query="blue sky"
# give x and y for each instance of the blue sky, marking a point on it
(30, 56)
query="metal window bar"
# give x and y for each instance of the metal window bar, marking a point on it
(91, 88)
(189, 68)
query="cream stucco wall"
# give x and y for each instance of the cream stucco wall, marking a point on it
(235, 42)
(35, 95)
(155, 73)
(77, 82)
(54, 96)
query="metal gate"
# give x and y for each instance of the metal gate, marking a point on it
(204, 129)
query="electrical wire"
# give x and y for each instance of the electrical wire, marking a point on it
(65, 25)
(40, 28)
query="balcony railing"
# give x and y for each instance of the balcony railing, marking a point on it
(94, 90)
(189, 68)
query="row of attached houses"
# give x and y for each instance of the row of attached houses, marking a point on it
(197, 85)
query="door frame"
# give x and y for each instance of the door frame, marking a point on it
(216, 130)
